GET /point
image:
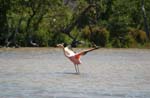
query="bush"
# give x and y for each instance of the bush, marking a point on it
(116, 43)
(41, 38)
(58, 38)
(132, 38)
(130, 42)
(138, 35)
(20, 38)
(99, 35)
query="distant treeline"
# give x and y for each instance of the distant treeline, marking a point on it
(107, 23)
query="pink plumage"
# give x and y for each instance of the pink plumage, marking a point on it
(74, 57)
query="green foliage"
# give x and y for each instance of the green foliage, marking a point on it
(114, 23)
(42, 38)
(138, 35)
(99, 36)
(21, 39)
(133, 38)
(4, 7)
(129, 42)
(58, 38)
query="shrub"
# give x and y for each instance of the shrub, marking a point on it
(58, 38)
(41, 38)
(116, 43)
(138, 35)
(132, 38)
(99, 35)
(130, 42)
(20, 38)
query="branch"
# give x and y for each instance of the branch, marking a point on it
(69, 28)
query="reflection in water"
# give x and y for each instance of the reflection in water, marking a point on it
(46, 73)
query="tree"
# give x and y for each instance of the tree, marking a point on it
(4, 7)
(48, 22)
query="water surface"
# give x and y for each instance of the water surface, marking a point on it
(46, 73)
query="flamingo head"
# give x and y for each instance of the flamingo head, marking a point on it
(60, 45)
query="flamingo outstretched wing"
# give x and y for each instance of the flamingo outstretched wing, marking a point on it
(75, 57)
(78, 55)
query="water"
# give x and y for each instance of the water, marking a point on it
(46, 73)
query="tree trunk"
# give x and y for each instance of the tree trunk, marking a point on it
(145, 19)
(11, 40)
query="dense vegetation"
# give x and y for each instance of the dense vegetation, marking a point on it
(107, 23)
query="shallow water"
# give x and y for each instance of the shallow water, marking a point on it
(46, 73)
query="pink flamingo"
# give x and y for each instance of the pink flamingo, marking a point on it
(74, 57)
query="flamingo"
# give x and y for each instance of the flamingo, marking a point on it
(74, 57)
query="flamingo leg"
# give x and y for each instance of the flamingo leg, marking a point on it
(78, 68)
(75, 68)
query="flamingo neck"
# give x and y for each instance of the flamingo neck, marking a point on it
(64, 51)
